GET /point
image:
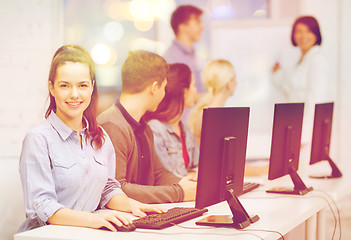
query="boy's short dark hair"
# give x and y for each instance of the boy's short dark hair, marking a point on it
(141, 69)
(182, 14)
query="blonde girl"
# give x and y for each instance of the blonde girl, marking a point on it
(219, 80)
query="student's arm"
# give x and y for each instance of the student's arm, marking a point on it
(37, 181)
(122, 203)
(187, 186)
(153, 194)
(122, 141)
(112, 187)
(69, 217)
(113, 193)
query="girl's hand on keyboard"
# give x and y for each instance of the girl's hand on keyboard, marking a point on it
(109, 219)
(140, 209)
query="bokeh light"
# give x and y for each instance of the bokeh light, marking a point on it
(113, 31)
(101, 54)
(143, 25)
(117, 10)
(141, 10)
(151, 10)
(162, 9)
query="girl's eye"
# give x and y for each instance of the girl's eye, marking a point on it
(84, 85)
(63, 85)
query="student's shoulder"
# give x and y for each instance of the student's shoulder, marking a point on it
(112, 114)
(157, 126)
(154, 123)
(114, 123)
(42, 131)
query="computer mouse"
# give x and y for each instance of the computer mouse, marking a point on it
(125, 228)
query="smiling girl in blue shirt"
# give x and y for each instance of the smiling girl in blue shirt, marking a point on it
(67, 164)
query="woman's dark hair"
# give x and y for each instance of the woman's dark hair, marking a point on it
(78, 54)
(312, 24)
(172, 105)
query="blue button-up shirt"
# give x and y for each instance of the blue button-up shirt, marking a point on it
(59, 172)
(168, 147)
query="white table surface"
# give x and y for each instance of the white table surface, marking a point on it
(277, 212)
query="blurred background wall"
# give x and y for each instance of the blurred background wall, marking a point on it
(251, 34)
(30, 33)
(31, 30)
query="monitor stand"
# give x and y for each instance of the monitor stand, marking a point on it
(336, 173)
(299, 186)
(239, 219)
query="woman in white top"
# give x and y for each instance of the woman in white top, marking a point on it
(68, 162)
(308, 81)
(219, 80)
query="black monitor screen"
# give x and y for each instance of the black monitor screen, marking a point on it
(224, 130)
(286, 139)
(322, 127)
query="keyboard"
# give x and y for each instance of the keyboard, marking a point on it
(173, 216)
(249, 186)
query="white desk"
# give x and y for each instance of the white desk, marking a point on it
(281, 213)
(276, 214)
(337, 189)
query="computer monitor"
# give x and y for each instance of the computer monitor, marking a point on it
(285, 147)
(222, 164)
(322, 128)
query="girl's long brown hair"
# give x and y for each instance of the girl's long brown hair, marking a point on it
(172, 105)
